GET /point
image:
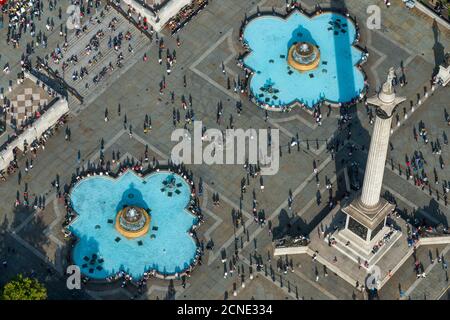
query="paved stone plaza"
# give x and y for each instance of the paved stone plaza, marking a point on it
(408, 40)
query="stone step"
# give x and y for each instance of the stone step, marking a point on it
(75, 44)
(351, 250)
(354, 252)
(89, 93)
(397, 236)
(94, 28)
(85, 59)
(126, 54)
(109, 56)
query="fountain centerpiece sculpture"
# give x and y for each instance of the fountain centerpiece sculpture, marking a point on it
(132, 222)
(304, 56)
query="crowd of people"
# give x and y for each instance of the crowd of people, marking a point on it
(419, 228)
(185, 15)
(288, 241)
(93, 50)
(33, 148)
(21, 16)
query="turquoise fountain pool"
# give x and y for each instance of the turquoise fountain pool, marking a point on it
(274, 83)
(102, 251)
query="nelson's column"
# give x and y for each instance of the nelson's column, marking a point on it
(366, 214)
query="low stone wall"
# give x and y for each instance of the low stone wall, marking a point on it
(420, 5)
(434, 240)
(290, 250)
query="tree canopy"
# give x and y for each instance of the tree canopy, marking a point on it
(24, 288)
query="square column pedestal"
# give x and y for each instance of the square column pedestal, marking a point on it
(365, 226)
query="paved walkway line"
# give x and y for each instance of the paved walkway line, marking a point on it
(206, 77)
(215, 225)
(58, 242)
(205, 198)
(211, 49)
(300, 188)
(333, 268)
(402, 198)
(38, 254)
(34, 250)
(58, 218)
(295, 117)
(302, 142)
(285, 203)
(398, 266)
(27, 220)
(443, 292)
(389, 167)
(315, 285)
(152, 147)
(108, 144)
(247, 281)
(427, 271)
(32, 216)
(49, 230)
(285, 119)
(311, 202)
(233, 54)
(380, 60)
(395, 43)
(306, 122)
(227, 200)
(281, 128)
(215, 255)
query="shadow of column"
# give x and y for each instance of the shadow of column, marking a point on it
(438, 49)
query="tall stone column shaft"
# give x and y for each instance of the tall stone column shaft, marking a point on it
(373, 177)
